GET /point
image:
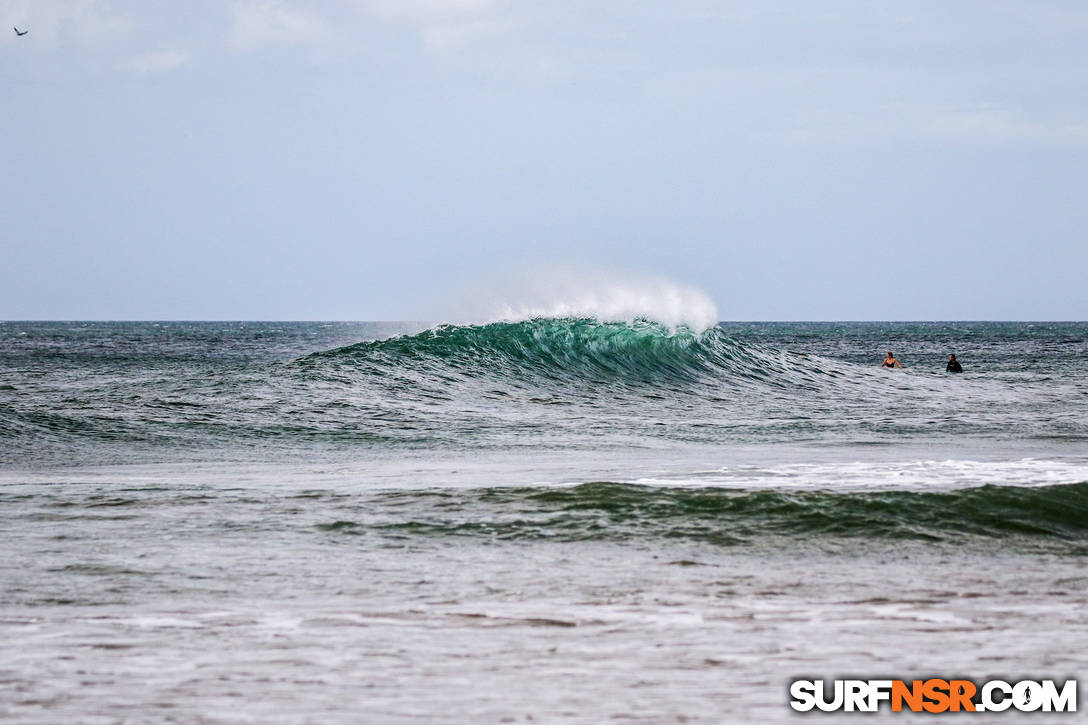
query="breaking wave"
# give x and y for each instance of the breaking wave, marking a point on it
(578, 350)
(610, 511)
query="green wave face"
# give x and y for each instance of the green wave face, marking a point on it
(1049, 515)
(578, 349)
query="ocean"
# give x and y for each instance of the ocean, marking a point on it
(546, 520)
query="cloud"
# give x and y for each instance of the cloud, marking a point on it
(427, 11)
(165, 60)
(67, 23)
(259, 24)
(898, 123)
(446, 38)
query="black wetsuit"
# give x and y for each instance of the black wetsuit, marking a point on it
(953, 367)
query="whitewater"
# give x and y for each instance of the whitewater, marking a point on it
(597, 505)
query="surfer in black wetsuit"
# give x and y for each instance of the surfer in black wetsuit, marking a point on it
(890, 362)
(953, 365)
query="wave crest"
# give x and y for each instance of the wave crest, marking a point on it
(604, 296)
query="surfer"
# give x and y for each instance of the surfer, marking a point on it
(953, 365)
(890, 362)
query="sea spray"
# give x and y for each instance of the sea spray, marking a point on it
(556, 292)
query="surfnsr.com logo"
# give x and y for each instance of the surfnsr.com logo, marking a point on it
(933, 695)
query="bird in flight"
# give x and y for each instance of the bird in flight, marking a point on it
(20, 32)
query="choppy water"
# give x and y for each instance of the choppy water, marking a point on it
(550, 520)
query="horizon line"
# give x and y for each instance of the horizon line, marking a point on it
(440, 322)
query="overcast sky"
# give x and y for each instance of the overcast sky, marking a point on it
(367, 159)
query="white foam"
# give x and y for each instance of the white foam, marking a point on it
(919, 475)
(604, 295)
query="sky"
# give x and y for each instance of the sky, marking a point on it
(374, 159)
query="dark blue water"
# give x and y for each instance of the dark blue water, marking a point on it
(148, 392)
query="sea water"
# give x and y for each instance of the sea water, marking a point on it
(548, 519)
